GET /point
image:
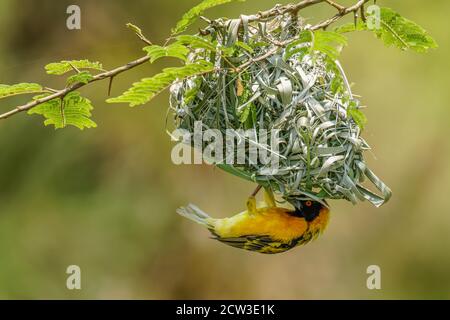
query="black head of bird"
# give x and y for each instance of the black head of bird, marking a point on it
(309, 210)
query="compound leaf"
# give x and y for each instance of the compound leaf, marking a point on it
(60, 68)
(192, 15)
(82, 77)
(146, 89)
(18, 89)
(357, 115)
(395, 30)
(73, 110)
(175, 50)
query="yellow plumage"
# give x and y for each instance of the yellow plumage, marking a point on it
(269, 229)
(274, 222)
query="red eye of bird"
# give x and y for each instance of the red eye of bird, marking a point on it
(308, 203)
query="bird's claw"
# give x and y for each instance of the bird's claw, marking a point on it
(269, 198)
(251, 205)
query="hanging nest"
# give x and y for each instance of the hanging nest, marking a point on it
(279, 75)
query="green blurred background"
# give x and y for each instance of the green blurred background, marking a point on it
(105, 199)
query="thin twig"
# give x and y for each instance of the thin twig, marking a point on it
(144, 39)
(256, 191)
(295, 8)
(253, 60)
(110, 85)
(346, 11)
(281, 10)
(336, 5)
(74, 68)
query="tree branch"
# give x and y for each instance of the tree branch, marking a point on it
(336, 5)
(343, 11)
(295, 8)
(353, 9)
(281, 10)
(263, 15)
(62, 93)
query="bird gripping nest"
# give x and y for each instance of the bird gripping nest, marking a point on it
(278, 74)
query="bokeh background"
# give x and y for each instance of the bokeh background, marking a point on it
(105, 198)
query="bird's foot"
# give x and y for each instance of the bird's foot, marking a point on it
(251, 205)
(269, 198)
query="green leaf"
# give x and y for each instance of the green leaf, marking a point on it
(357, 115)
(60, 68)
(73, 110)
(245, 114)
(192, 15)
(326, 42)
(251, 119)
(397, 31)
(329, 43)
(82, 77)
(192, 93)
(337, 84)
(244, 46)
(17, 89)
(196, 42)
(301, 45)
(136, 30)
(175, 50)
(146, 89)
(351, 27)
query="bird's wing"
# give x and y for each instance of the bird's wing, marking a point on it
(263, 244)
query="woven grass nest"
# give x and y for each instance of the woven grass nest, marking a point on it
(278, 77)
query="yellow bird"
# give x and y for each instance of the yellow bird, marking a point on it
(269, 229)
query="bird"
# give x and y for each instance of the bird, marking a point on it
(269, 229)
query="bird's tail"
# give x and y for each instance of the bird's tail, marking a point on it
(193, 213)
